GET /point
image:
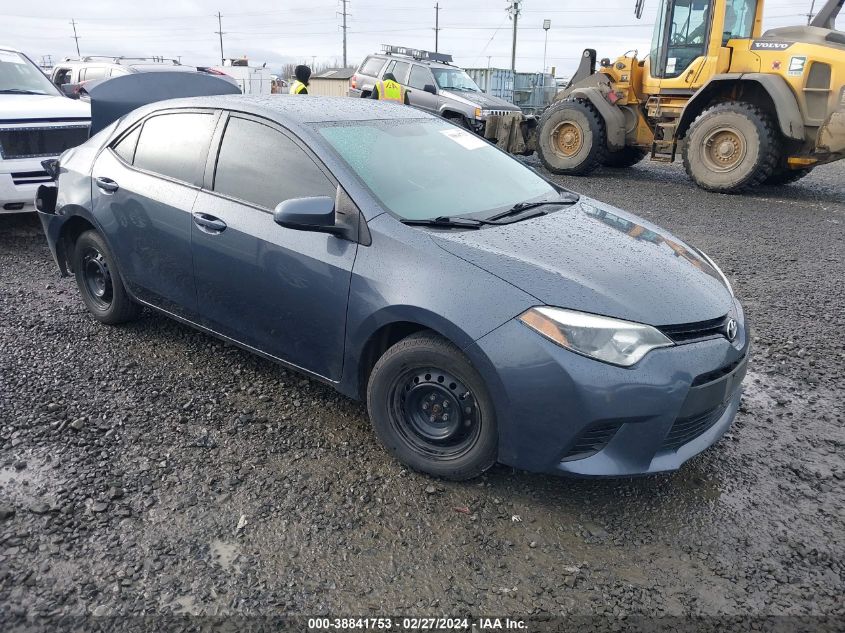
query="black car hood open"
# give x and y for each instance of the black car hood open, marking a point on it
(114, 97)
(598, 259)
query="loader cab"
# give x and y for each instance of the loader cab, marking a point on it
(690, 40)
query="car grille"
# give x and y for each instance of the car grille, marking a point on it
(692, 332)
(513, 113)
(30, 177)
(592, 441)
(687, 429)
(31, 142)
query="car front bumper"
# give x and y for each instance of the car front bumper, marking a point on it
(561, 412)
(19, 180)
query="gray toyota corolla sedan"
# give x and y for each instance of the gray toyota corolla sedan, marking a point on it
(484, 313)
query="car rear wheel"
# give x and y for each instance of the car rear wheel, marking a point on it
(99, 281)
(431, 410)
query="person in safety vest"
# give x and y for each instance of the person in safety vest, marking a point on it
(388, 89)
(300, 86)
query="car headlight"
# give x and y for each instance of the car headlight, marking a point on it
(713, 265)
(609, 340)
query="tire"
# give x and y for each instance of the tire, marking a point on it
(571, 138)
(625, 157)
(412, 390)
(99, 281)
(731, 147)
(782, 175)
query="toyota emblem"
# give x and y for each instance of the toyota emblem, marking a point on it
(731, 329)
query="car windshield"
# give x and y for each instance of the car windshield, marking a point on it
(454, 79)
(19, 75)
(421, 169)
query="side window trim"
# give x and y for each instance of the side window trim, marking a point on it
(126, 133)
(194, 185)
(217, 142)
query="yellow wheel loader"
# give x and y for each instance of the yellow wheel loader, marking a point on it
(742, 107)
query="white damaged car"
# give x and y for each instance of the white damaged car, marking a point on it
(37, 122)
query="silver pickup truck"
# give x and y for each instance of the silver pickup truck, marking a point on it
(434, 84)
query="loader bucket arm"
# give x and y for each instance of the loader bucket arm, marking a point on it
(826, 17)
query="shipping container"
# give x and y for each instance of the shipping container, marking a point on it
(534, 92)
(497, 82)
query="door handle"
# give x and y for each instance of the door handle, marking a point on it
(209, 223)
(106, 184)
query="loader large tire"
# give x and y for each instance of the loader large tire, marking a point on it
(571, 138)
(783, 175)
(625, 157)
(731, 147)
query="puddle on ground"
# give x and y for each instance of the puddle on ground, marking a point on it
(224, 554)
(186, 605)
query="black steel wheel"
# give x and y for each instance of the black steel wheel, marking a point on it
(97, 278)
(99, 281)
(431, 410)
(434, 412)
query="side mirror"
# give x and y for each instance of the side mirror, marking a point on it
(69, 90)
(430, 88)
(307, 214)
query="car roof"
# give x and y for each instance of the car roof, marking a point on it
(298, 109)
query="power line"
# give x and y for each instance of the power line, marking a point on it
(75, 36)
(437, 27)
(219, 32)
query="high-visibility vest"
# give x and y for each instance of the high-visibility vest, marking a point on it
(297, 88)
(390, 91)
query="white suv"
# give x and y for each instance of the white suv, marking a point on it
(37, 122)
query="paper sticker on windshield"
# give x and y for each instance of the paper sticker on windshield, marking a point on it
(464, 139)
(670, 64)
(12, 58)
(796, 66)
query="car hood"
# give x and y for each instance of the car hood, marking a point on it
(41, 107)
(598, 259)
(480, 100)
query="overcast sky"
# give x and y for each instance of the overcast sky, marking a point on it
(280, 31)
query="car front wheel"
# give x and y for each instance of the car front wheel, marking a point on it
(431, 409)
(99, 281)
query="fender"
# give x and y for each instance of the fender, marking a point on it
(614, 119)
(786, 105)
(363, 331)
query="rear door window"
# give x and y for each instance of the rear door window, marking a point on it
(175, 145)
(420, 77)
(260, 165)
(91, 73)
(400, 71)
(372, 66)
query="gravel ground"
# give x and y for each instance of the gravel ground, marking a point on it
(150, 469)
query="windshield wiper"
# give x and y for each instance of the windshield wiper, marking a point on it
(20, 91)
(519, 207)
(447, 222)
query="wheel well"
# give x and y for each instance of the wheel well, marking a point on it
(71, 230)
(721, 91)
(366, 94)
(451, 114)
(379, 342)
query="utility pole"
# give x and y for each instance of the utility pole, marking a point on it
(344, 14)
(75, 36)
(219, 32)
(437, 27)
(810, 14)
(547, 24)
(514, 9)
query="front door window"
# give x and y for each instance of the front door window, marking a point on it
(680, 36)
